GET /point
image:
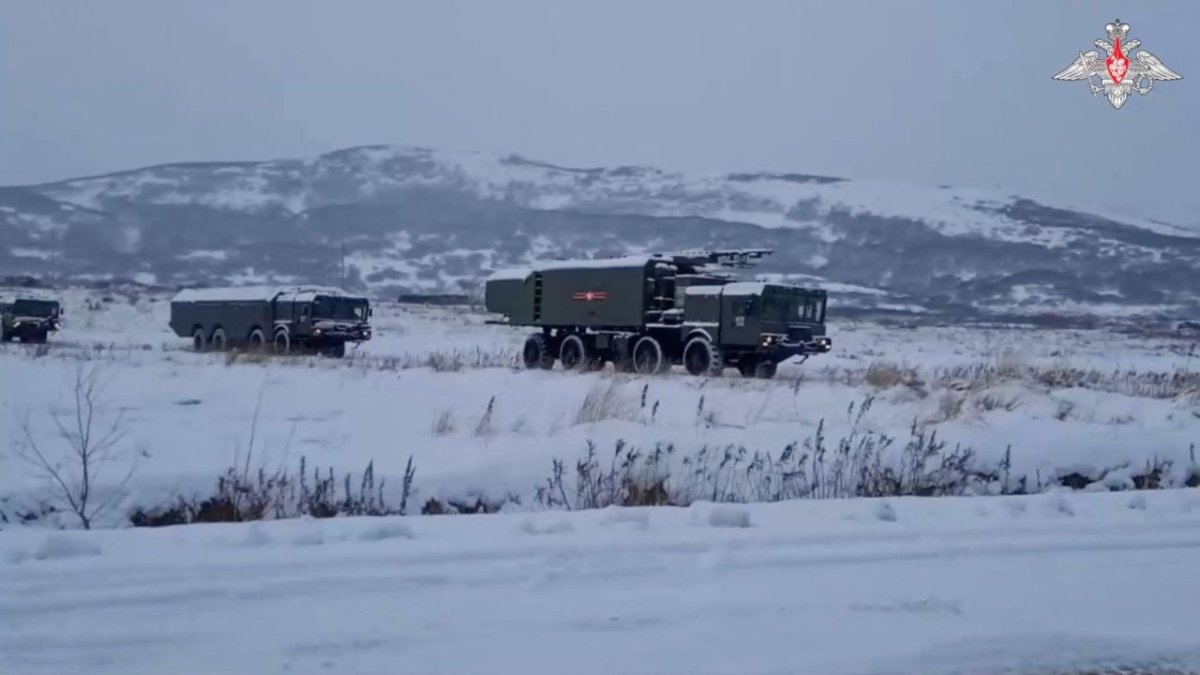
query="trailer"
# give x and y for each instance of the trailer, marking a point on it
(646, 313)
(301, 319)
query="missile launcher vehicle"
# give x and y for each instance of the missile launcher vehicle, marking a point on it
(646, 313)
(283, 320)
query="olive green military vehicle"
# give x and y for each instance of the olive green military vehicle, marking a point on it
(29, 319)
(300, 319)
(646, 313)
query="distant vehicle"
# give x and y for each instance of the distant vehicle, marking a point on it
(283, 320)
(29, 318)
(646, 313)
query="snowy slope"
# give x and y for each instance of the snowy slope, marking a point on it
(419, 219)
(1036, 585)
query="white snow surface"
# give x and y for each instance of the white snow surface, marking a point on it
(192, 414)
(1055, 582)
(1019, 586)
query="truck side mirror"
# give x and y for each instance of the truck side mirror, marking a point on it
(370, 311)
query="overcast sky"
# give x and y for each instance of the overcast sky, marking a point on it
(953, 91)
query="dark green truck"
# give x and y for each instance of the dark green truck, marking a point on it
(283, 320)
(646, 313)
(29, 319)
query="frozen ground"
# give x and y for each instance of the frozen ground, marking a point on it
(1056, 583)
(1078, 401)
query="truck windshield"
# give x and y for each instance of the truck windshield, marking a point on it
(344, 309)
(812, 309)
(41, 308)
(775, 307)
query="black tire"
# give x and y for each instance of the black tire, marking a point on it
(282, 344)
(536, 352)
(648, 357)
(573, 354)
(256, 342)
(336, 351)
(700, 357)
(199, 340)
(218, 341)
(39, 338)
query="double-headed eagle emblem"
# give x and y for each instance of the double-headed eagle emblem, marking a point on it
(1118, 74)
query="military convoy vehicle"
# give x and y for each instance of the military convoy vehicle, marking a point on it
(28, 318)
(300, 319)
(646, 313)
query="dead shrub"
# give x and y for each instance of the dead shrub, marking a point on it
(990, 402)
(241, 496)
(883, 375)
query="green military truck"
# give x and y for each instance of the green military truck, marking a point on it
(299, 319)
(646, 313)
(28, 318)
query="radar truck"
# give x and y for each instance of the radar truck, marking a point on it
(646, 313)
(28, 318)
(296, 319)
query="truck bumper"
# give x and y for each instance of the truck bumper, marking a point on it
(782, 351)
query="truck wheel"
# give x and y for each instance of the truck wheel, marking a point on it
(218, 340)
(199, 342)
(700, 357)
(573, 354)
(336, 351)
(257, 341)
(536, 352)
(283, 342)
(648, 357)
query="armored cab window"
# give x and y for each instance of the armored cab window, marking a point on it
(744, 306)
(813, 310)
(775, 307)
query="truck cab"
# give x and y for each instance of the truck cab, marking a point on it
(324, 321)
(30, 319)
(757, 325)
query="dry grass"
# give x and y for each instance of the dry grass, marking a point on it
(606, 400)
(444, 426)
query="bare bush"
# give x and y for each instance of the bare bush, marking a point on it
(242, 497)
(90, 444)
(950, 407)
(883, 375)
(630, 479)
(860, 465)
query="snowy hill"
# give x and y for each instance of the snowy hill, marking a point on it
(414, 219)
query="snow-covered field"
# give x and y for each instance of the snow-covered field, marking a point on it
(1056, 402)
(955, 585)
(1079, 583)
